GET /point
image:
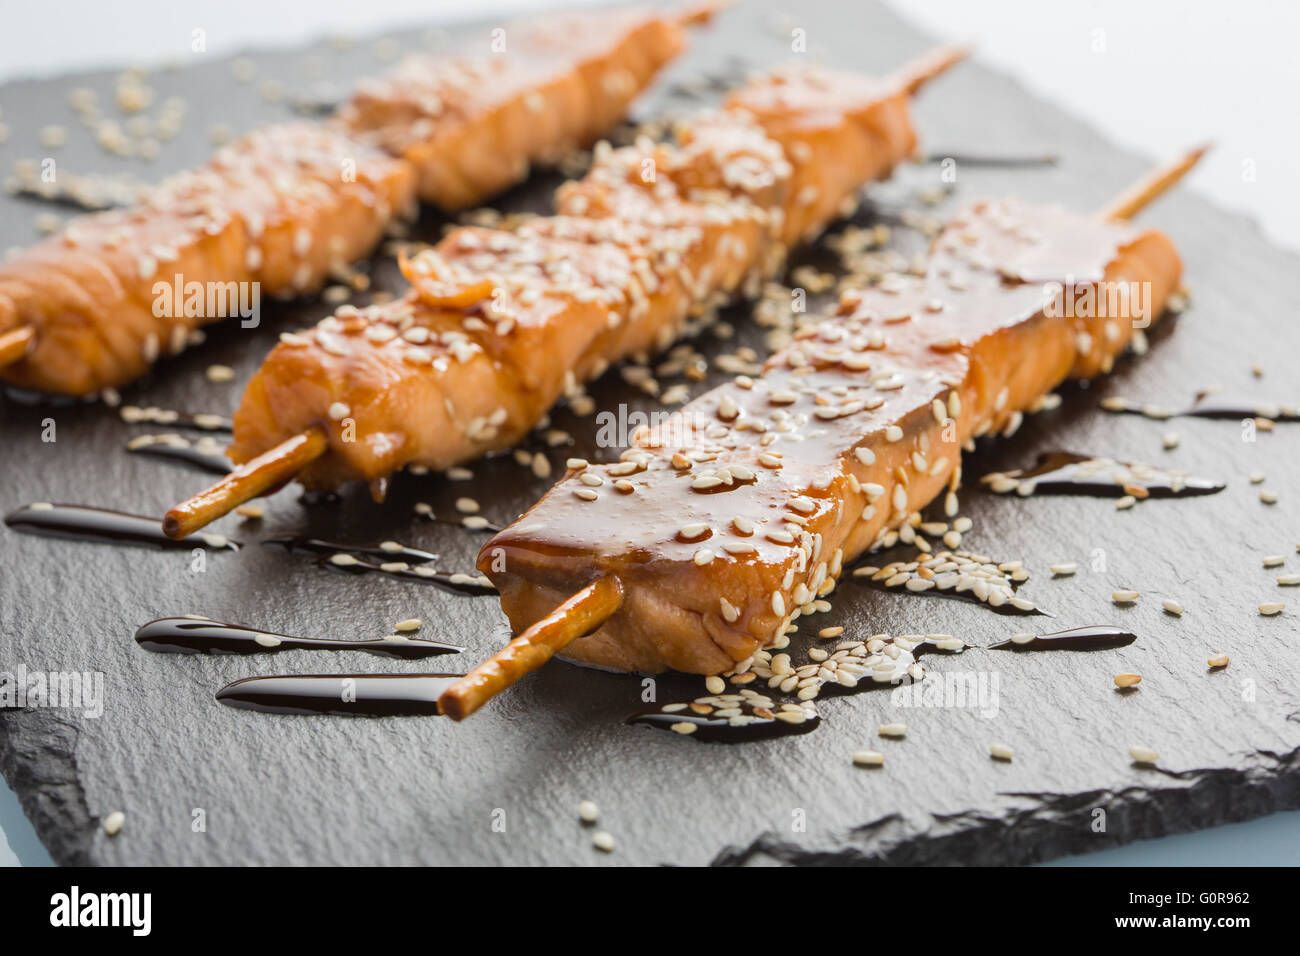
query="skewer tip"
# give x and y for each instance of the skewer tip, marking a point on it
(1151, 186)
(701, 12)
(914, 75)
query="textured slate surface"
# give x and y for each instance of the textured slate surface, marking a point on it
(281, 790)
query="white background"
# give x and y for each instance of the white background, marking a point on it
(1157, 76)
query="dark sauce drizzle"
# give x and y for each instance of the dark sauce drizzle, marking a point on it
(346, 695)
(1066, 473)
(719, 730)
(82, 523)
(372, 558)
(1207, 404)
(711, 729)
(185, 635)
(1091, 638)
(211, 462)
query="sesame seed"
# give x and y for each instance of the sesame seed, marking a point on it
(467, 506)
(683, 727)
(1001, 752)
(1172, 607)
(892, 730)
(339, 411)
(114, 822)
(893, 433)
(829, 632)
(343, 560)
(220, 373)
(1143, 754)
(1124, 597)
(1218, 660)
(250, 511)
(693, 530)
(730, 613)
(1288, 580)
(1272, 608)
(1274, 560)
(267, 640)
(1127, 680)
(1124, 503)
(868, 758)
(586, 494)
(1064, 570)
(410, 624)
(703, 557)
(588, 812)
(603, 841)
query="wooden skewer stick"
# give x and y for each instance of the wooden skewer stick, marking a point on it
(697, 14)
(15, 343)
(926, 67)
(575, 618)
(593, 605)
(265, 472)
(1151, 186)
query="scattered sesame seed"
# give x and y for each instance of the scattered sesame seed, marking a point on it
(714, 684)
(114, 822)
(1064, 570)
(339, 411)
(1127, 680)
(1218, 660)
(343, 560)
(1143, 754)
(892, 730)
(603, 841)
(1172, 607)
(1272, 608)
(684, 727)
(410, 624)
(868, 758)
(1124, 597)
(588, 812)
(1274, 560)
(220, 373)
(1001, 752)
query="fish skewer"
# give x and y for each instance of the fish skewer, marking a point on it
(654, 235)
(285, 207)
(718, 541)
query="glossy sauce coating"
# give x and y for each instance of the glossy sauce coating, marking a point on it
(500, 325)
(744, 506)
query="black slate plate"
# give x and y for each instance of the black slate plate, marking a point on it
(503, 787)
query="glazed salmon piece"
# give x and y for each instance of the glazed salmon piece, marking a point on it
(653, 235)
(473, 126)
(273, 209)
(728, 520)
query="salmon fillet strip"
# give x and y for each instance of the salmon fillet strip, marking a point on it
(500, 325)
(286, 206)
(725, 522)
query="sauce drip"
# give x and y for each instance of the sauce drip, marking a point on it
(196, 456)
(1065, 473)
(1091, 638)
(752, 723)
(418, 563)
(83, 523)
(348, 695)
(184, 635)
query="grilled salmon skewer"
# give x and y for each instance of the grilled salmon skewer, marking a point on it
(722, 524)
(498, 325)
(286, 206)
